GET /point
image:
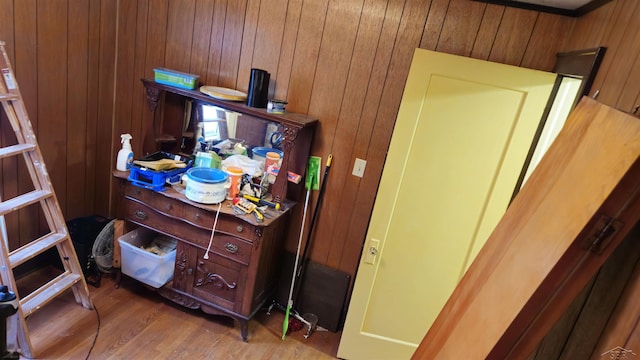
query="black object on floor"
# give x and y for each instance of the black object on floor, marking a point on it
(8, 307)
(83, 232)
(323, 292)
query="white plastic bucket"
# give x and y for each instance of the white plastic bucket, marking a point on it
(206, 185)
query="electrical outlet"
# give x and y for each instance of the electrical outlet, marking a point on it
(358, 167)
(371, 254)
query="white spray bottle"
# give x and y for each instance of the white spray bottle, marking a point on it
(125, 155)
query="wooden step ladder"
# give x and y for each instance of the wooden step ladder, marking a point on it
(43, 194)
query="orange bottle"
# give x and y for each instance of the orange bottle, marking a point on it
(272, 159)
(235, 175)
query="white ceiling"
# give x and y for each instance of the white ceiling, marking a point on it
(562, 4)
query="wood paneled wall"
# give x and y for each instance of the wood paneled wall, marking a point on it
(63, 54)
(78, 64)
(344, 62)
(616, 26)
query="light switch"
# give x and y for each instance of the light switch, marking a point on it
(371, 253)
(358, 167)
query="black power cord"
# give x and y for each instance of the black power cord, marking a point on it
(97, 333)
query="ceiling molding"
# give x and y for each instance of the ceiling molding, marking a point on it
(549, 9)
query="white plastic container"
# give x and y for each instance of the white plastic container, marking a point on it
(125, 155)
(206, 185)
(143, 265)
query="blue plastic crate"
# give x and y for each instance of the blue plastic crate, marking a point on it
(154, 179)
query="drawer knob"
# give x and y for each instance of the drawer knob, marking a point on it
(168, 206)
(197, 216)
(239, 228)
(232, 248)
(189, 271)
(140, 215)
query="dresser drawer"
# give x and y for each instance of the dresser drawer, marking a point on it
(168, 206)
(227, 246)
(226, 223)
(138, 193)
(162, 203)
(142, 214)
(231, 248)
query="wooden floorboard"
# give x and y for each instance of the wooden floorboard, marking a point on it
(137, 323)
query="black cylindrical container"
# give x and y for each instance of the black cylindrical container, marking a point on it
(258, 93)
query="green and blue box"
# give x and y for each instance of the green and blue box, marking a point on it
(176, 78)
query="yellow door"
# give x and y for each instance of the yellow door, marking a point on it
(460, 140)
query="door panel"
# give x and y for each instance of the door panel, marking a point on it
(462, 134)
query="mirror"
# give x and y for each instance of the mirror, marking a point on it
(221, 130)
(576, 72)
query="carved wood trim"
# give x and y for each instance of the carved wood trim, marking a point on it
(181, 260)
(211, 278)
(258, 240)
(179, 299)
(153, 97)
(289, 135)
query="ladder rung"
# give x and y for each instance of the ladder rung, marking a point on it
(16, 149)
(9, 97)
(23, 200)
(34, 248)
(48, 291)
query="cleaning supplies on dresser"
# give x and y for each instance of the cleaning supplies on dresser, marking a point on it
(125, 155)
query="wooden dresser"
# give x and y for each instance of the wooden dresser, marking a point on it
(239, 276)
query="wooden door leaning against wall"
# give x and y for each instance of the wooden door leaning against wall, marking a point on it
(569, 217)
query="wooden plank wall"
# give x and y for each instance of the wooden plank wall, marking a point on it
(344, 62)
(616, 26)
(62, 52)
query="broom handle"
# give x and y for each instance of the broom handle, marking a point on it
(303, 263)
(285, 324)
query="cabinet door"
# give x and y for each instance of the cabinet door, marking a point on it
(219, 280)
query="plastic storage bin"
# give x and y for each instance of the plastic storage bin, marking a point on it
(141, 264)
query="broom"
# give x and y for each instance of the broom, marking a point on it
(285, 324)
(304, 262)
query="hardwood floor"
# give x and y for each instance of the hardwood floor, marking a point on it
(137, 323)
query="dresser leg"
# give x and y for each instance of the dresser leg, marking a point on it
(244, 329)
(118, 277)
